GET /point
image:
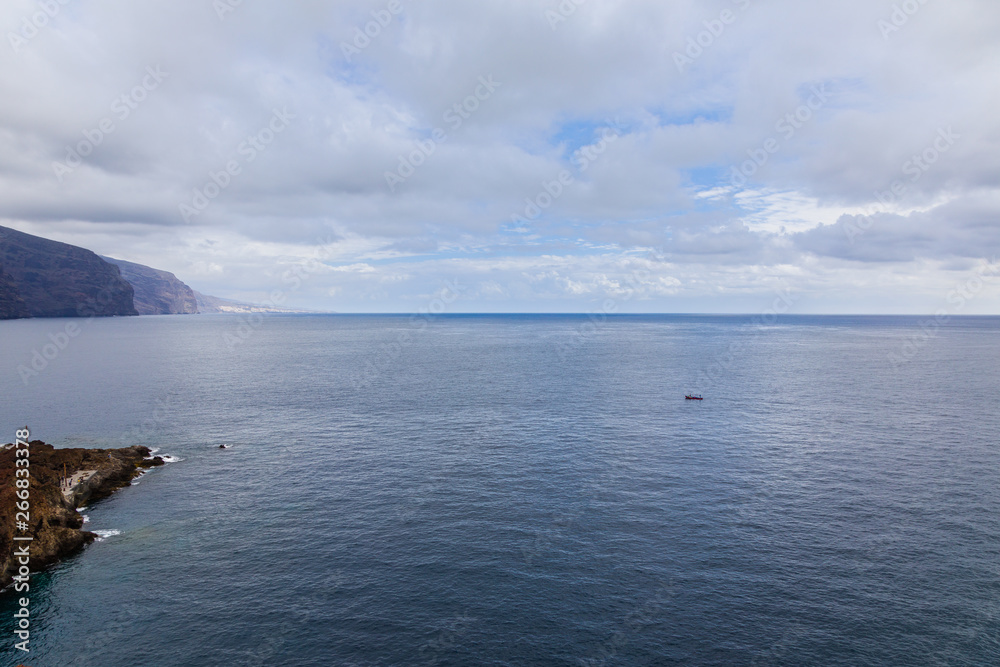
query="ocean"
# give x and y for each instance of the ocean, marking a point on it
(522, 490)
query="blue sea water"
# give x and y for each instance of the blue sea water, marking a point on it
(523, 490)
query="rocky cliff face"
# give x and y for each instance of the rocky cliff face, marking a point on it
(11, 304)
(213, 304)
(54, 522)
(156, 292)
(43, 278)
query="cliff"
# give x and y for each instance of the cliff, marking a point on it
(156, 292)
(213, 304)
(54, 523)
(43, 278)
(11, 304)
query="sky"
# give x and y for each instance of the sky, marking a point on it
(517, 156)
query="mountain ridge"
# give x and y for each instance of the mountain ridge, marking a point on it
(157, 292)
(44, 278)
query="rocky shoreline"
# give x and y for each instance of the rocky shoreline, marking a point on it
(54, 523)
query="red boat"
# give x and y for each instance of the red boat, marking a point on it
(692, 397)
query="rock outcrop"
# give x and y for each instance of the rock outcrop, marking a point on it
(43, 278)
(156, 292)
(54, 524)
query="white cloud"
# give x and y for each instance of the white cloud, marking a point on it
(664, 182)
(354, 268)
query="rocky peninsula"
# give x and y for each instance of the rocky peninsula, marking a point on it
(54, 523)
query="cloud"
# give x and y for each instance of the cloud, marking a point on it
(816, 107)
(962, 228)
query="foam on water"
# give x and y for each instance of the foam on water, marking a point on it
(105, 534)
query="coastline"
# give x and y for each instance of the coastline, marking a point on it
(55, 524)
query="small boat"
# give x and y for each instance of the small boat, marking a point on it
(693, 397)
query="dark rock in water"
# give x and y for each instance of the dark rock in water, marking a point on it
(54, 522)
(155, 461)
(43, 278)
(157, 292)
(223, 447)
